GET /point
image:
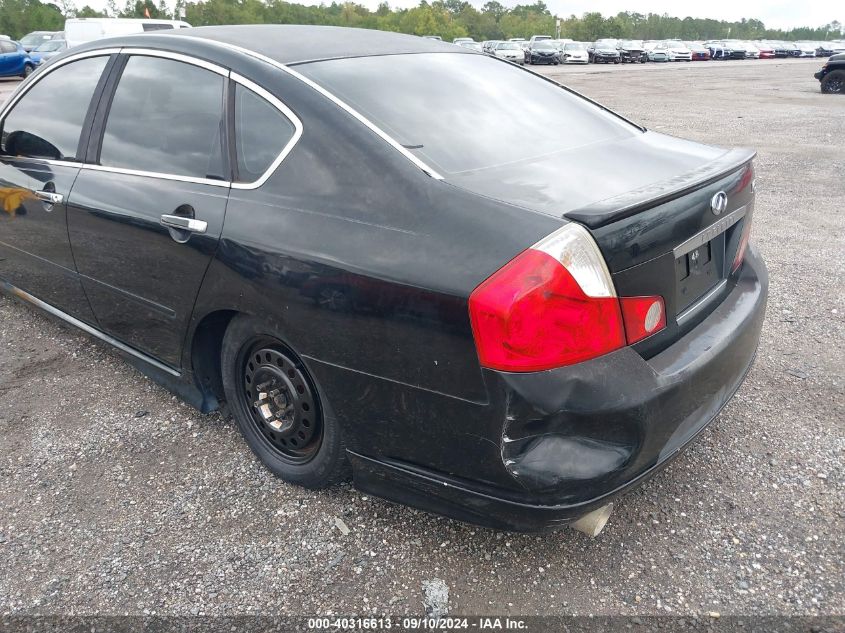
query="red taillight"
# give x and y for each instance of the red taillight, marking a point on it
(553, 305)
(532, 315)
(643, 316)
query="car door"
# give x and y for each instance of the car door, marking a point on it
(43, 131)
(146, 212)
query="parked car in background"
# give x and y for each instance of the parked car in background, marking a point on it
(782, 50)
(529, 305)
(657, 52)
(751, 50)
(604, 52)
(806, 49)
(14, 60)
(473, 46)
(725, 50)
(832, 75)
(539, 38)
(510, 51)
(81, 30)
(698, 51)
(458, 40)
(487, 46)
(574, 53)
(542, 52)
(31, 41)
(766, 50)
(559, 44)
(792, 49)
(631, 51)
(677, 51)
(48, 50)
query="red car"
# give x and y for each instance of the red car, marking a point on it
(699, 52)
(766, 52)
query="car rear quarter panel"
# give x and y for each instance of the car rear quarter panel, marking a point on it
(366, 263)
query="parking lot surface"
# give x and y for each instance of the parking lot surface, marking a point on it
(117, 498)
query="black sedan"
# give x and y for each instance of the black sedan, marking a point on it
(632, 51)
(348, 266)
(542, 52)
(604, 53)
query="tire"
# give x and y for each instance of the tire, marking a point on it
(302, 446)
(834, 83)
(27, 71)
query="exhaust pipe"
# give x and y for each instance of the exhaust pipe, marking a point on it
(593, 523)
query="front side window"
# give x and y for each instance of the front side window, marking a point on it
(261, 133)
(166, 117)
(47, 121)
(462, 113)
(7, 47)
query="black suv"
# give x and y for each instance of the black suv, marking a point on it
(832, 75)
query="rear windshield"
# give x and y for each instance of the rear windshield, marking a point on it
(461, 112)
(52, 45)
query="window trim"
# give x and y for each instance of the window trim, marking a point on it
(286, 112)
(101, 118)
(420, 164)
(26, 86)
(104, 106)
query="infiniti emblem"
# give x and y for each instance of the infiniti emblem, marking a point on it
(719, 203)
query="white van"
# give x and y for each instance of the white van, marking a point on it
(81, 30)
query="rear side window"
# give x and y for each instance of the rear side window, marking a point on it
(47, 121)
(261, 133)
(462, 112)
(166, 117)
(7, 47)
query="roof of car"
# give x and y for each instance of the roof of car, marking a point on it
(291, 44)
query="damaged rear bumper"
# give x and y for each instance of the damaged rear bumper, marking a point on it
(575, 437)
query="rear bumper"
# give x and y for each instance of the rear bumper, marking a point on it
(574, 438)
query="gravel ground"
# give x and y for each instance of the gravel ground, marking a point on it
(117, 498)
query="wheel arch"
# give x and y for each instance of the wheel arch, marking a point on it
(203, 355)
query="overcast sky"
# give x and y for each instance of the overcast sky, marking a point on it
(779, 14)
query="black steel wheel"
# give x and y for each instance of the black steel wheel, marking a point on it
(282, 405)
(278, 408)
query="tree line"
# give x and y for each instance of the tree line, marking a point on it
(446, 18)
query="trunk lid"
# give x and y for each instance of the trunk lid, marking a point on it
(649, 203)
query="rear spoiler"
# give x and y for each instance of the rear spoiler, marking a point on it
(632, 202)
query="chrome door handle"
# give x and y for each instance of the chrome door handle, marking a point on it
(49, 197)
(184, 224)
